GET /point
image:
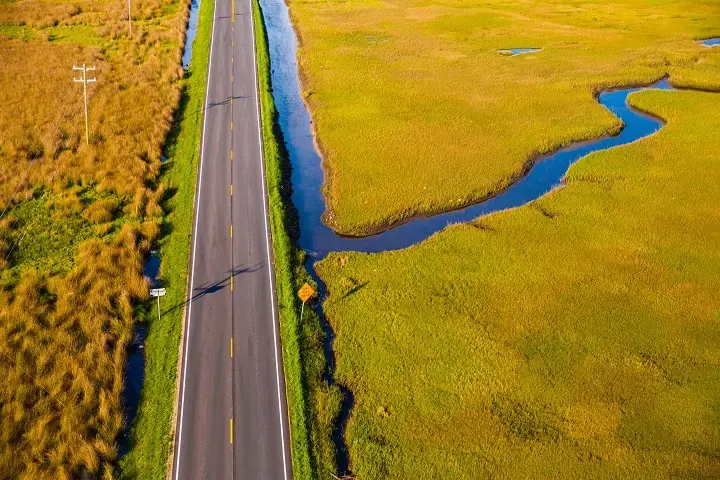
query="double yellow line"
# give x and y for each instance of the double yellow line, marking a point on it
(232, 79)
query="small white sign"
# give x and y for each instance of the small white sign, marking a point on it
(157, 292)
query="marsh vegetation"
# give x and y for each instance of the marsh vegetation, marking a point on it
(416, 112)
(78, 220)
(574, 337)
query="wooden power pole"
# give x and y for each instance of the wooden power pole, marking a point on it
(129, 20)
(84, 80)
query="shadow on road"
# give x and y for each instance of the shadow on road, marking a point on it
(224, 102)
(208, 288)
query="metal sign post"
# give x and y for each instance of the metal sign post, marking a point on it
(305, 293)
(157, 292)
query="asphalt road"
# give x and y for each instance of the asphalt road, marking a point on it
(232, 414)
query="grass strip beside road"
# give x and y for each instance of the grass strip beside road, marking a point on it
(312, 405)
(152, 435)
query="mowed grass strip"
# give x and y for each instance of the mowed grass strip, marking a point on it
(575, 337)
(416, 111)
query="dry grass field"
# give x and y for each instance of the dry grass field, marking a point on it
(575, 337)
(417, 112)
(77, 220)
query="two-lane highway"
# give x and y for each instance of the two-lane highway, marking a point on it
(232, 413)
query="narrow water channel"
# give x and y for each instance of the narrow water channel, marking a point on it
(308, 177)
(135, 363)
(190, 33)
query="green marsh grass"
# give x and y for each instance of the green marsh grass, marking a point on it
(575, 337)
(416, 111)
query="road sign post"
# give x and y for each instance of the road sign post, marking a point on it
(305, 293)
(157, 292)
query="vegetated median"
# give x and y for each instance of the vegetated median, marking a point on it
(312, 404)
(152, 436)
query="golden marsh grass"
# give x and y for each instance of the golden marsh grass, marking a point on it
(79, 221)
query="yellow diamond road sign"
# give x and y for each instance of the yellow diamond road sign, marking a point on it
(306, 292)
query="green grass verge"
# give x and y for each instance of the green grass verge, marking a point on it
(152, 432)
(312, 404)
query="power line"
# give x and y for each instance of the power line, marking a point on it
(84, 80)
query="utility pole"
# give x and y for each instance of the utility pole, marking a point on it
(84, 80)
(129, 19)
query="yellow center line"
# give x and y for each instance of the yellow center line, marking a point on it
(232, 78)
(232, 284)
(230, 231)
(231, 430)
(231, 154)
(231, 189)
(232, 124)
(231, 347)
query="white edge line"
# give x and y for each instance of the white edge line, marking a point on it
(267, 241)
(192, 272)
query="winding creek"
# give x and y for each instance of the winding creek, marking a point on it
(308, 177)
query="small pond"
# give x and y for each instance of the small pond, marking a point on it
(512, 52)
